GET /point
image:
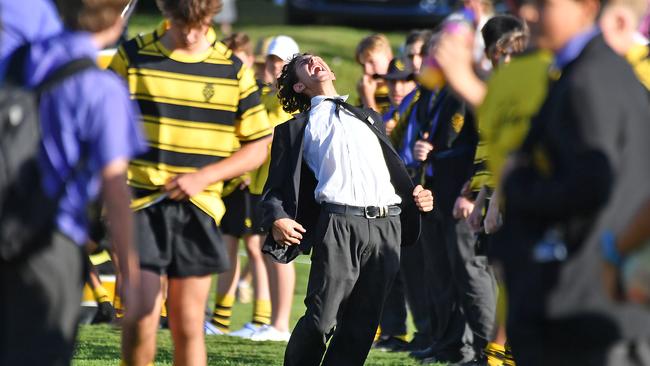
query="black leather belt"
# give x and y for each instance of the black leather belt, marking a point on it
(369, 212)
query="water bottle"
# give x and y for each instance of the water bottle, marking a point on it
(460, 23)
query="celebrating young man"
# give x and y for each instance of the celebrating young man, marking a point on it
(337, 185)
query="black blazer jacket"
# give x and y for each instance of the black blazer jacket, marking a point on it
(290, 187)
(589, 172)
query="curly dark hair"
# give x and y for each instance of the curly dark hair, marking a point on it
(289, 99)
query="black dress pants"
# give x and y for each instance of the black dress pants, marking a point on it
(353, 268)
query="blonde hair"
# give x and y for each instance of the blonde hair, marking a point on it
(372, 43)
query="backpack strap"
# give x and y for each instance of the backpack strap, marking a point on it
(65, 71)
(15, 72)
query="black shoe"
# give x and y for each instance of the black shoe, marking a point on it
(423, 353)
(390, 344)
(105, 313)
(418, 343)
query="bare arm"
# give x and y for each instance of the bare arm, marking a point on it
(120, 226)
(455, 61)
(366, 88)
(249, 157)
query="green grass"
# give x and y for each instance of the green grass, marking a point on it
(99, 345)
(336, 44)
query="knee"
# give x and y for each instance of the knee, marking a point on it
(321, 325)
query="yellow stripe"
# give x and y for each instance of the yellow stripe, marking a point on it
(187, 150)
(251, 111)
(248, 92)
(153, 178)
(162, 166)
(184, 77)
(187, 93)
(189, 124)
(186, 103)
(190, 140)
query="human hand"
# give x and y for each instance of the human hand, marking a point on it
(454, 56)
(390, 126)
(493, 220)
(185, 186)
(423, 198)
(421, 150)
(474, 219)
(287, 231)
(462, 208)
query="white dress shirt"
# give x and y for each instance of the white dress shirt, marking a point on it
(346, 158)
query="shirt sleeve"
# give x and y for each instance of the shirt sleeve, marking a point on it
(116, 133)
(252, 120)
(119, 63)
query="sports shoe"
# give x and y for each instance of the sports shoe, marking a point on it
(269, 333)
(211, 329)
(105, 313)
(246, 332)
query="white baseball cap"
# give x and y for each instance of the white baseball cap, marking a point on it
(284, 47)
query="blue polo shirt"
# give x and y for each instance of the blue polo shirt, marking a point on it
(89, 113)
(23, 21)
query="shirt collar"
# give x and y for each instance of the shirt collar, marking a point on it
(319, 98)
(574, 47)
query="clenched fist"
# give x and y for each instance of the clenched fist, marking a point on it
(423, 198)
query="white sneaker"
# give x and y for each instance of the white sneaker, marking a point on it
(211, 329)
(268, 333)
(246, 332)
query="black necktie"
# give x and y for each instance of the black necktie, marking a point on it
(360, 113)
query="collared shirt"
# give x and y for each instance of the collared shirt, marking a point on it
(346, 157)
(25, 21)
(89, 114)
(574, 48)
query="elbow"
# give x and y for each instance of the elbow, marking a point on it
(259, 152)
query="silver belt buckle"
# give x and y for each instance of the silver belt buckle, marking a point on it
(366, 212)
(382, 211)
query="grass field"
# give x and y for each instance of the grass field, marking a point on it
(99, 345)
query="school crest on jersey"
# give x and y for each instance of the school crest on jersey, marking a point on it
(208, 92)
(457, 122)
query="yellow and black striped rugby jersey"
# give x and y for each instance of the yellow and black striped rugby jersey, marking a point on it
(277, 116)
(195, 111)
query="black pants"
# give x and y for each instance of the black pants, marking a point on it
(40, 299)
(352, 270)
(409, 288)
(462, 290)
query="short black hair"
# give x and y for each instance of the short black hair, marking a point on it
(499, 26)
(289, 99)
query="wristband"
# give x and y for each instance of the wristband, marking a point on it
(609, 249)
